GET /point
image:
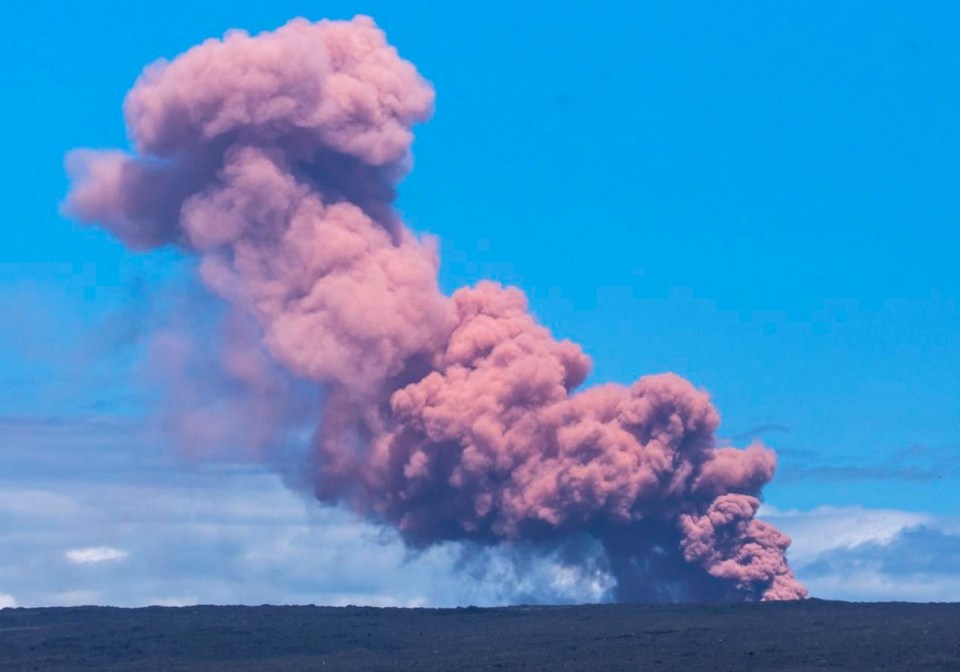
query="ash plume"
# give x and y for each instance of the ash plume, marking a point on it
(274, 159)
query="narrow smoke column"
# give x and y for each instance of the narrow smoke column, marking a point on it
(275, 158)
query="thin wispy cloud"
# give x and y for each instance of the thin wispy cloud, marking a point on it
(759, 430)
(915, 463)
(95, 554)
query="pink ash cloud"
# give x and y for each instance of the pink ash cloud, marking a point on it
(274, 159)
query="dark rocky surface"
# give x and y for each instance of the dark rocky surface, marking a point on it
(811, 635)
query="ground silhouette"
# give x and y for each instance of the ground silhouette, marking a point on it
(794, 636)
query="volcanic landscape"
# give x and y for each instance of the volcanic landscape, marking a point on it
(796, 636)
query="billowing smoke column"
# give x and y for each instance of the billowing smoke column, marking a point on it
(274, 158)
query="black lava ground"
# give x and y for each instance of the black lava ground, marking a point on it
(810, 635)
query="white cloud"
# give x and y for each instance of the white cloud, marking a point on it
(853, 553)
(829, 528)
(87, 556)
(210, 534)
(7, 601)
(174, 602)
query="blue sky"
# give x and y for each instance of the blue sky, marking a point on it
(760, 197)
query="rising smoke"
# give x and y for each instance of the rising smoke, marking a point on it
(274, 158)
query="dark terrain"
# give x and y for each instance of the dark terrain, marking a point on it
(811, 635)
